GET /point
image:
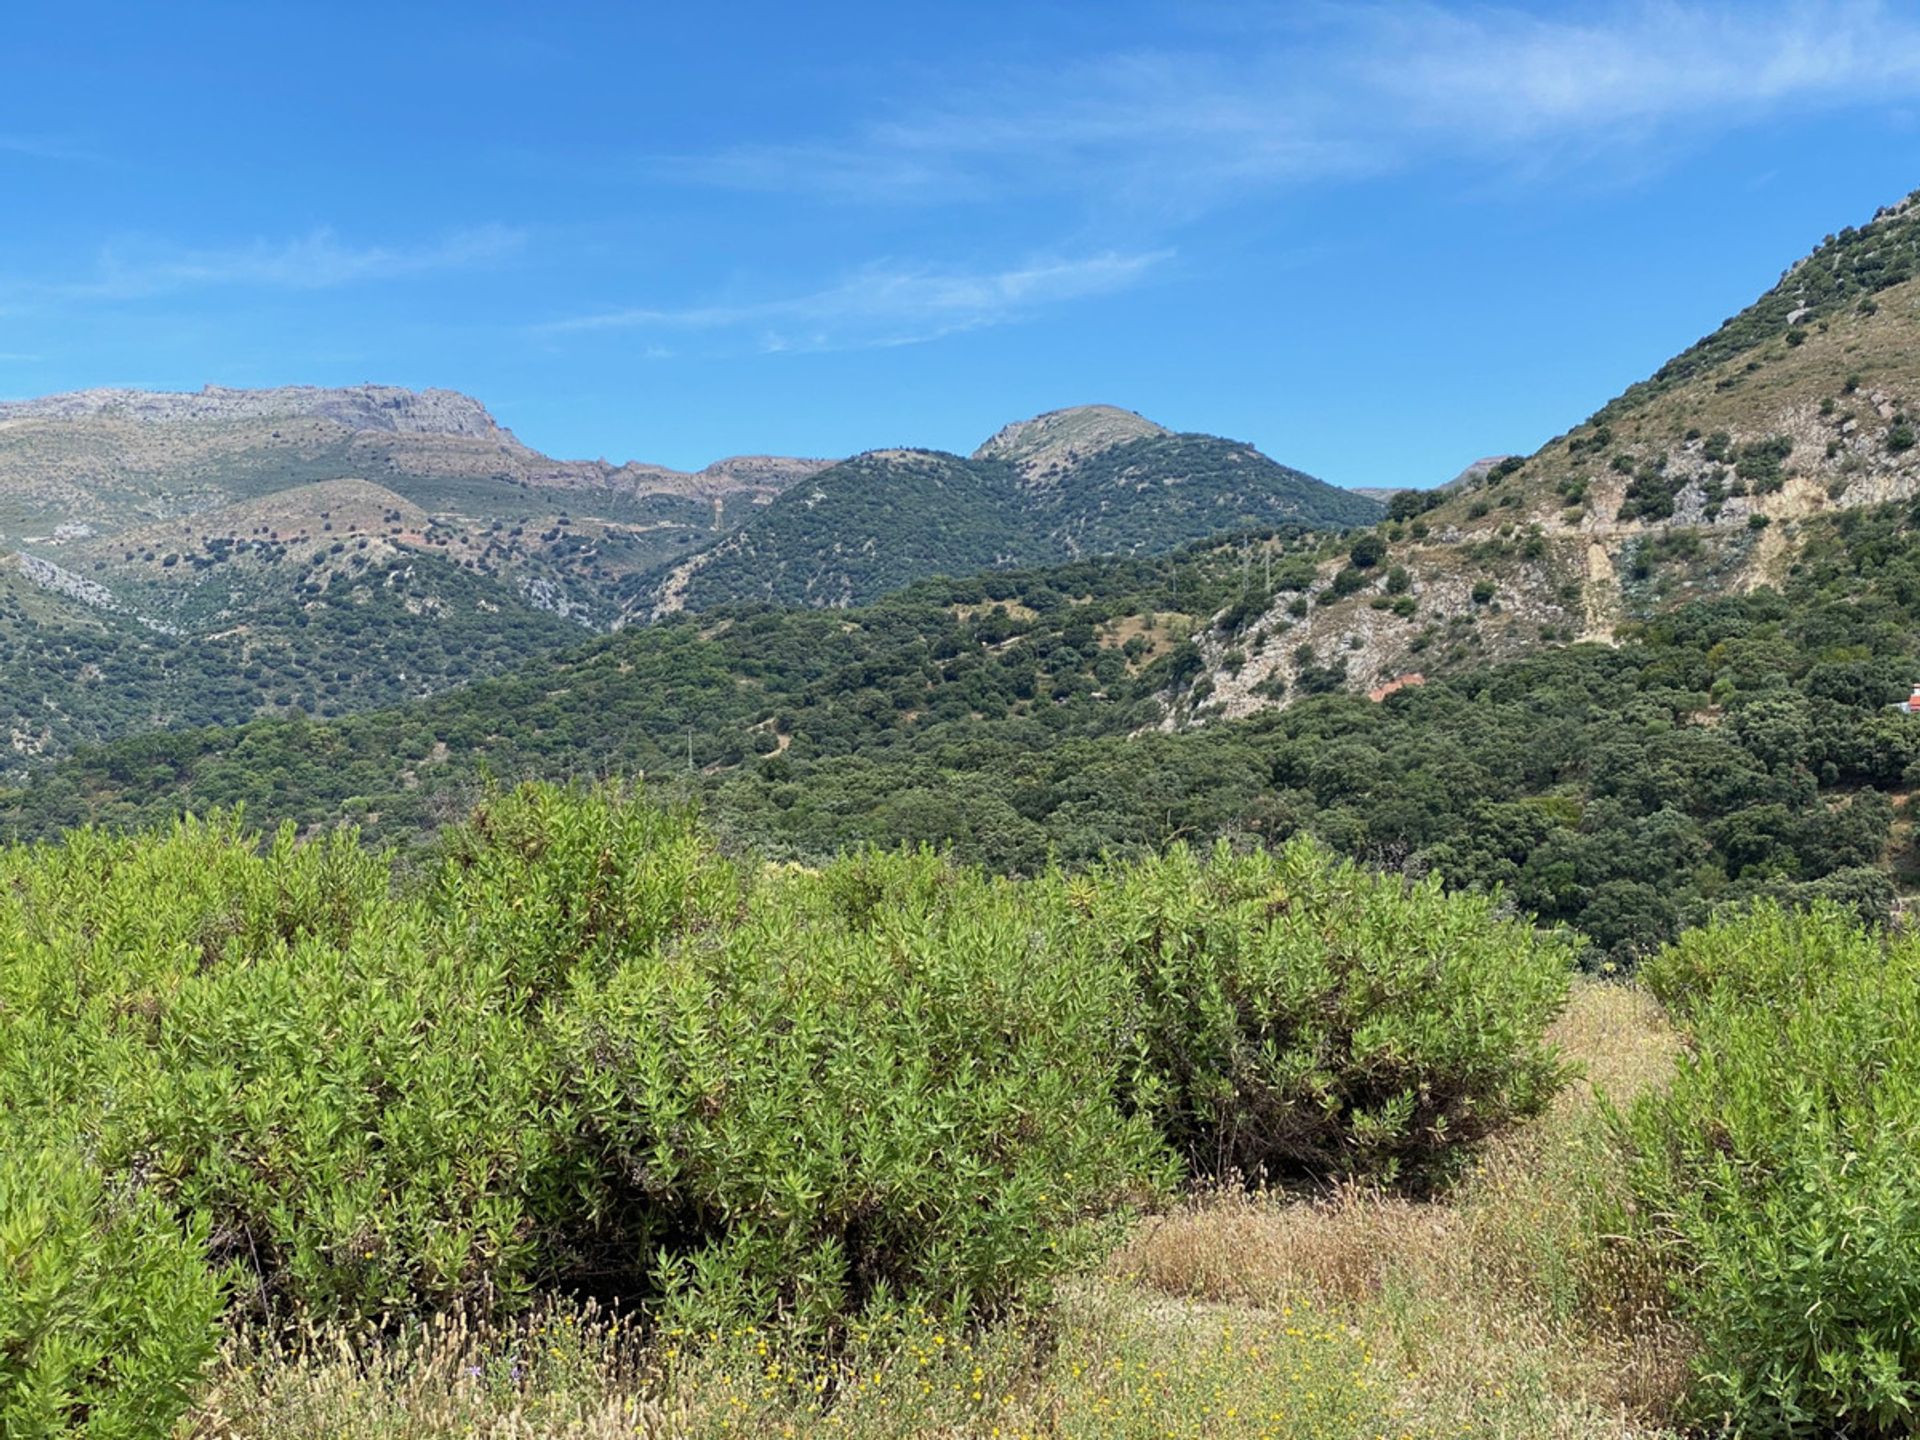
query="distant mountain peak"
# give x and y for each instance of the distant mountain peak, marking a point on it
(1475, 473)
(1048, 445)
(392, 409)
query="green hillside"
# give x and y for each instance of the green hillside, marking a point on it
(1846, 269)
(883, 520)
(1711, 478)
(1146, 493)
(1741, 745)
(305, 640)
(870, 525)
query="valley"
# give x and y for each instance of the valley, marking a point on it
(1106, 934)
(229, 541)
(1725, 554)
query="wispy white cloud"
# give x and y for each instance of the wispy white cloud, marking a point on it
(886, 304)
(1290, 93)
(319, 260)
(46, 147)
(1505, 75)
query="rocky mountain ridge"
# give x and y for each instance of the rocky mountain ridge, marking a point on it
(389, 408)
(1698, 481)
(1048, 445)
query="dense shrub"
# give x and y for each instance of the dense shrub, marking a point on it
(594, 1052)
(107, 1308)
(588, 1052)
(1776, 1177)
(885, 1080)
(1305, 1018)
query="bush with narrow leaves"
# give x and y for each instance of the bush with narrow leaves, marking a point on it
(1776, 1179)
(1304, 1018)
(587, 1053)
(108, 1310)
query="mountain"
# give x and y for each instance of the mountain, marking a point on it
(1094, 480)
(183, 559)
(102, 463)
(1744, 746)
(1701, 480)
(172, 560)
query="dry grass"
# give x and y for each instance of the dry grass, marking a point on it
(1108, 1366)
(1492, 1313)
(1163, 631)
(1621, 1041)
(1498, 1308)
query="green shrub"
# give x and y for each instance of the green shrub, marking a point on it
(1347, 580)
(1776, 1180)
(1304, 1018)
(1762, 462)
(884, 1081)
(593, 1052)
(107, 1308)
(586, 1052)
(346, 1090)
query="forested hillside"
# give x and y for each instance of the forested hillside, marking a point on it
(1740, 745)
(365, 636)
(176, 560)
(172, 560)
(1053, 489)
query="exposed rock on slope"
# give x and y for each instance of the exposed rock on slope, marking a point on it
(1692, 483)
(1049, 445)
(359, 407)
(113, 466)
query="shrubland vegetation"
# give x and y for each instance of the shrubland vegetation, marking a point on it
(1191, 1078)
(589, 1055)
(589, 1129)
(1775, 1180)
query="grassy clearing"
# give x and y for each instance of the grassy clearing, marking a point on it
(1237, 1315)
(1497, 1312)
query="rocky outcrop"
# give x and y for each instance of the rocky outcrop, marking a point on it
(387, 408)
(1048, 445)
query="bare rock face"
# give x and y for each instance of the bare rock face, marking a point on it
(386, 408)
(1048, 445)
(1474, 473)
(773, 472)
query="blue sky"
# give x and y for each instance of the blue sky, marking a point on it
(1377, 240)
